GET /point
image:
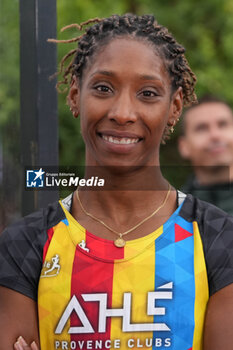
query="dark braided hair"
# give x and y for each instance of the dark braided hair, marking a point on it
(141, 27)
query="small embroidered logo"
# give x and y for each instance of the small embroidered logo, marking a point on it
(51, 266)
(82, 245)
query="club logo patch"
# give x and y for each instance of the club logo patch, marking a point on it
(51, 268)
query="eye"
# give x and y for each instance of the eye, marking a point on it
(201, 128)
(149, 93)
(224, 124)
(102, 88)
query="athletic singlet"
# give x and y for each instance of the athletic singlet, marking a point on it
(151, 294)
(97, 296)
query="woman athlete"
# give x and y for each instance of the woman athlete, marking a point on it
(136, 265)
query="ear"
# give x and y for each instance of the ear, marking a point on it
(74, 96)
(176, 107)
(183, 147)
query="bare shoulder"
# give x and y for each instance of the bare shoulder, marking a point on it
(219, 320)
(18, 316)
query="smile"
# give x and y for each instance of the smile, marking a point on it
(120, 140)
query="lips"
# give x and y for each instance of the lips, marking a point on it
(120, 140)
(217, 148)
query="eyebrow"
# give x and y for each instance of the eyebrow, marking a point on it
(104, 72)
(148, 77)
(140, 76)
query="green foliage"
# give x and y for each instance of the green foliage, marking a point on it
(9, 62)
(9, 80)
(205, 28)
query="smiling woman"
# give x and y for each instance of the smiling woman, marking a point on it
(131, 266)
(127, 106)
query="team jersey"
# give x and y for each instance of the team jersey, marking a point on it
(150, 294)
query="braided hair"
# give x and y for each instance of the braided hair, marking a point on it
(145, 27)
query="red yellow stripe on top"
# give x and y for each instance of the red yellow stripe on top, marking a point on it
(55, 292)
(201, 289)
(92, 278)
(133, 272)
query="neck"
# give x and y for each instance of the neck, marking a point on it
(126, 192)
(214, 175)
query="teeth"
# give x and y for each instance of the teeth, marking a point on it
(120, 140)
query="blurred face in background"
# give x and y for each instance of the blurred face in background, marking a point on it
(208, 135)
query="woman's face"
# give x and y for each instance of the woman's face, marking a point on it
(124, 103)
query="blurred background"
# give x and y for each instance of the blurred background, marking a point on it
(204, 28)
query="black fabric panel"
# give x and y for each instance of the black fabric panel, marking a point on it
(216, 229)
(21, 250)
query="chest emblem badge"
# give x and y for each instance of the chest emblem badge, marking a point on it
(82, 245)
(51, 268)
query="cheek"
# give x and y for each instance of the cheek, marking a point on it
(159, 126)
(196, 144)
(84, 127)
(82, 124)
(88, 122)
(86, 116)
(197, 147)
(229, 136)
(199, 140)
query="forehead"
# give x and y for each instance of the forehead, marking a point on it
(208, 113)
(128, 56)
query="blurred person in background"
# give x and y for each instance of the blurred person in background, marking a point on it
(207, 142)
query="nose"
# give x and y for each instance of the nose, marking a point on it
(123, 109)
(215, 132)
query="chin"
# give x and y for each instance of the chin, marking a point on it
(216, 167)
(223, 162)
(121, 169)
